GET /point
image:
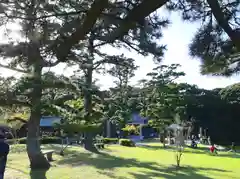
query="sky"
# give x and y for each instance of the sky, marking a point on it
(177, 37)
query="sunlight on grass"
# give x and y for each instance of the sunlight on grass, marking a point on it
(119, 162)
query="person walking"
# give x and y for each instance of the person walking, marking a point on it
(233, 149)
(4, 150)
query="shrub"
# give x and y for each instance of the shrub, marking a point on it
(126, 142)
(43, 140)
(16, 141)
(110, 140)
(51, 140)
(12, 141)
(130, 130)
(22, 140)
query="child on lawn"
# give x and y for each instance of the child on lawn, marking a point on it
(213, 149)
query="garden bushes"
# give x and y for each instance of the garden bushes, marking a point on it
(58, 140)
(110, 140)
(43, 140)
(51, 140)
(126, 142)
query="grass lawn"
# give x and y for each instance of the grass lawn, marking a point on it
(117, 162)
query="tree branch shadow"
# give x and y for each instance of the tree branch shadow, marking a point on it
(186, 172)
(106, 163)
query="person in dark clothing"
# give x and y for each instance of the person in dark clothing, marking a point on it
(232, 147)
(193, 144)
(4, 150)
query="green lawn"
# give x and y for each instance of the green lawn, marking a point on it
(118, 162)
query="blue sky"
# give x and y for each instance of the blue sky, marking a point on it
(177, 37)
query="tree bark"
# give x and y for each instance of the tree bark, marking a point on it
(37, 159)
(137, 14)
(88, 142)
(162, 137)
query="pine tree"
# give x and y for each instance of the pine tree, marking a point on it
(53, 31)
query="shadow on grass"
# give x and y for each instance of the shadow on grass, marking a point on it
(106, 164)
(186, 172)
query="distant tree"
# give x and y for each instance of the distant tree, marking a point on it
(231, 93)
(121, 95)
(161, 99)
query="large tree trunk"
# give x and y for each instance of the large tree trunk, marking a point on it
(37, 160)
(88, 142)
(35, 62)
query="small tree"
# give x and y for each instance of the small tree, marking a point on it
(179, 140)
(160, 98)
(179, 127)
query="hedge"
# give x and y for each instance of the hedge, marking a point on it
(126, 142)
(44, 140)
(56, 140)
(110, 140)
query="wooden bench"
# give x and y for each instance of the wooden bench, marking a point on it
(99, 142)
(49, 154)
(99, 145)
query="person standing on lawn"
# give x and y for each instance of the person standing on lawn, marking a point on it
(233, 147)
(4, 150)
(213, 149)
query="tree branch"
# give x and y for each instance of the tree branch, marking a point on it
(63, 99)
(44, 16)
(137, 14)
(58, 85)
(17, 119)
(50, 64)
(117, 60)
(14, 69)
(222, 21)
(10, 102)
(63, 45)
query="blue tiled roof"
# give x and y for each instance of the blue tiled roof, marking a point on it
(48, 121)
